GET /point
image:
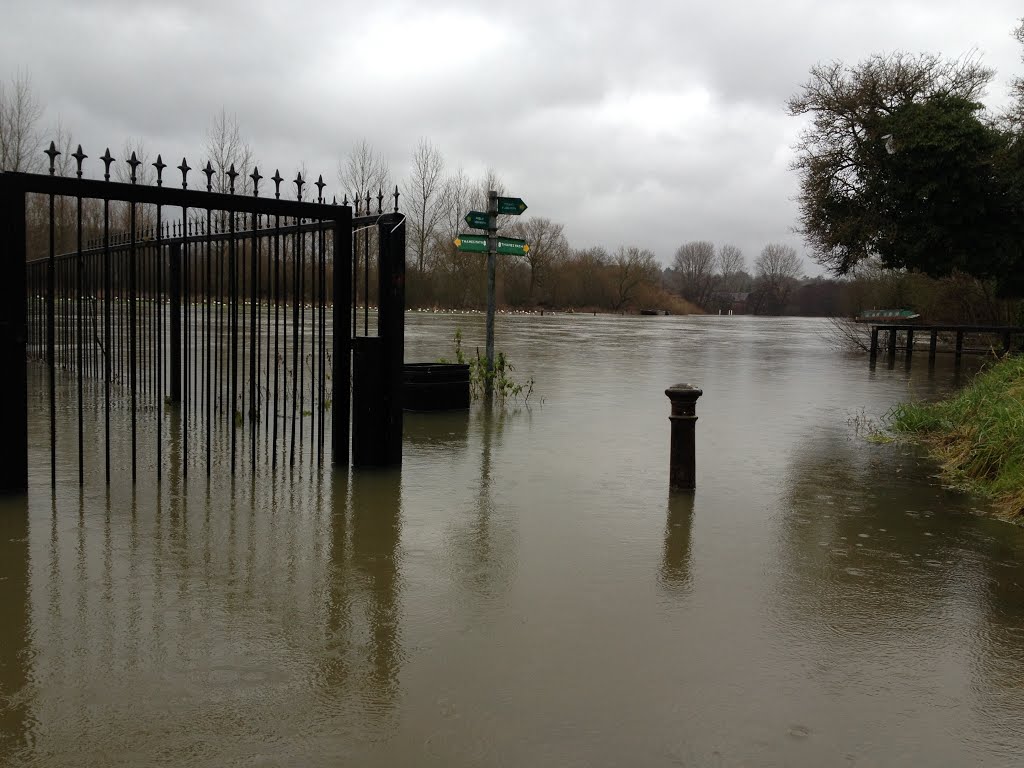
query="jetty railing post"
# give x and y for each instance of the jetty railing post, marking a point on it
(174, 367)
(910, 344)
(341, 337)
(932, 344)
(874, 344)
(892, 344)
(13, 309)
(682, 471)
(959, 348)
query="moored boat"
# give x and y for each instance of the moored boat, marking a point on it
(887, 316)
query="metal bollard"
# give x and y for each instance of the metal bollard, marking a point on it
(682, 471)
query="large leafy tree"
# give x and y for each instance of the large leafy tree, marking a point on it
(945, 192)
(899, 163)
(1015, 114)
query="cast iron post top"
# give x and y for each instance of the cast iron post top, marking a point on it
(683, 392)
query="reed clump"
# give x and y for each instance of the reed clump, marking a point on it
(977, 435)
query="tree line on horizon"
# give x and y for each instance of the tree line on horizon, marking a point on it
(911, 196)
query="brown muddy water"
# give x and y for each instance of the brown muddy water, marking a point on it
(525, 591)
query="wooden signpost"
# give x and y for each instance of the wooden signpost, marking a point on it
(492, 245)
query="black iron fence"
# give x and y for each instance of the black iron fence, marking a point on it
(222, 318)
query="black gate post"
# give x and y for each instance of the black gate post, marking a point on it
(13, 308)
(391, 329)
(341, 337)
(369, 403)
(175, 310)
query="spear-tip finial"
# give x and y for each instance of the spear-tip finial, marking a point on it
(134, 162)
(208, 170)
(320, 184)
(107, 160)
(159, 165)
(277, 179)
(298, 185)
(255, 176)
(184, 173)
(380, 200)
(396, 198)
(52, 152)
(232, 175)
(79, 156)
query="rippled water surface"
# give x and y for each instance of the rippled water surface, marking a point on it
(525, 591)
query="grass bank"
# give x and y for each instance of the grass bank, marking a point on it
(977, 435)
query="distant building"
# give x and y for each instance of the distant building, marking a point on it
(738, 302)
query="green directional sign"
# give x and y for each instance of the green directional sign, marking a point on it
(511, 206)
(512, 247)
(471, 243)
(477, 220)
(478, 244)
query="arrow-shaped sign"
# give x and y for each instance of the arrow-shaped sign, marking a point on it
(512, 246)
(471, 243)
(511, 206)
(477, 220)
(478, 244)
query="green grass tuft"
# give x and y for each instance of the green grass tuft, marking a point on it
(977, 435)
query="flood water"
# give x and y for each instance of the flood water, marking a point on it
(526, 591)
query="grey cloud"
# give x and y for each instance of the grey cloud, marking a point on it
(646, 122)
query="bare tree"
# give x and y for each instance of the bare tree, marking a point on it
(364, 172)
(547, 244)
(145, 174)
(631, 267)
(456, 198)
(730, 261)
(777, 270)
(424, 199)
(694, 264)
(453, 270)
(590, 268)
(226, 148)
(19, 125)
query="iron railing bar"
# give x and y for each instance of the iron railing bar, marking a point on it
(169, 196)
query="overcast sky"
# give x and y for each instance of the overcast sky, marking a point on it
(640, 123)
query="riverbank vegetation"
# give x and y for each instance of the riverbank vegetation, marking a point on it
(977, 435)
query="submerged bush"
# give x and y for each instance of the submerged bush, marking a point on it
(505, 387)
